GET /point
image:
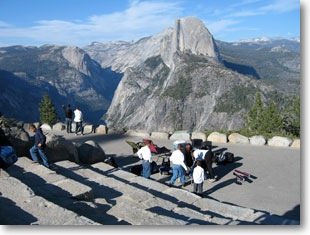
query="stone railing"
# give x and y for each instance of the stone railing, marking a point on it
(216, 137)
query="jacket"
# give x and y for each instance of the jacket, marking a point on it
(39, 138)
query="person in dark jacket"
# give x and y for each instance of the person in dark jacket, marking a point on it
(69, 115)
(39, 146)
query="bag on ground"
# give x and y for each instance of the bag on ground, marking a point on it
(7, 156)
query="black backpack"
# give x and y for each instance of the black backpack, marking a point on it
(225, 157)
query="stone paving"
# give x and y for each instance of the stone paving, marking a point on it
(76, 194)
(100, 194)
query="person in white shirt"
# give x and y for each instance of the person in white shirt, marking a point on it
(78, 119)
(198, 178)
(205, 156)
(178, 166)
(145, 155)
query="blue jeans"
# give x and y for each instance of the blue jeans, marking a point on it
(177, 171)
(146, 169)
(69, 125)
(79, 127)
(34, 151)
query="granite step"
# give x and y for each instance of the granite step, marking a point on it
(43, 180)
(157, 197)
(20, 206)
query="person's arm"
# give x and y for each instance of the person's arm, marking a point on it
(41, 139)
(139, 153)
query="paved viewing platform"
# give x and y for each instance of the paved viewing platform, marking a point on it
(77, 194)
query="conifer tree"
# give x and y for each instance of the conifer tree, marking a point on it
(272, 121)
(292, 117)
(255, 115)
(47, 111)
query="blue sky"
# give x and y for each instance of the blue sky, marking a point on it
(80, 22)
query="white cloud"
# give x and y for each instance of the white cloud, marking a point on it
(276, 6)
(281, 6)
(221, 25)
(141, 18)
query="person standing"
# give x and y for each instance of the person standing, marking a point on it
(145, 154)
(69, 115)
(178, 166)
(78, 119)
(205, 156)
(188, 154)
(39, 146)
(198, 178)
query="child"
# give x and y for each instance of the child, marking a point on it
(198, 178)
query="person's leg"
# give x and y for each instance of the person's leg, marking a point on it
(182, 175)
(70, 125)
(195, 188)
(174, 174)
(199, 188)
(76, 127)
(33, 153)
(67, 125)
(208, 161)
(146, 169)
(43, 157)
(81, 127)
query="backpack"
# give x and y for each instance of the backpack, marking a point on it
(7, 156)
(225, 157)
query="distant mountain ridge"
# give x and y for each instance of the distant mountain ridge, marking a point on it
(196, 89)
(181, 78)
(66, 73)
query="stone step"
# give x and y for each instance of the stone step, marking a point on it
(184, 202)
(140, 196)
(108, 195)
(156, 197)
(43, 180)
(20, 206)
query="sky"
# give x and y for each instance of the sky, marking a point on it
(81, 22)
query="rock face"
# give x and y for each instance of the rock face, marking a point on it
(90, 152)
(16, 135)
(66, 73)
(183, 85)
(122, 55)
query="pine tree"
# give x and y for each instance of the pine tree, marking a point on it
(255, 115)
(272, 122)
(292, 117)
(47, 111)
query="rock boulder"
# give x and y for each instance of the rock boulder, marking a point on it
(217, 137)
(60, 149)
(278, 141)
(236, 138)
(258, 140)
(90, 152)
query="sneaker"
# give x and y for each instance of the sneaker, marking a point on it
(212, 180)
